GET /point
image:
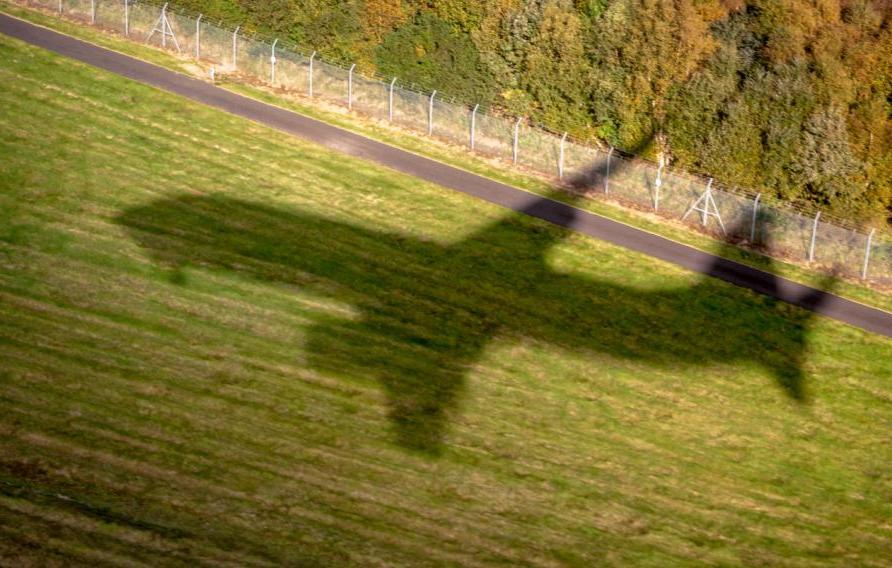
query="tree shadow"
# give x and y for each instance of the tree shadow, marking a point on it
(428, 310)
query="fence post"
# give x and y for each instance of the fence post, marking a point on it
(430, 113)
(390, 101)
(755, 212)
(60, 6)
(867, 255)
(310, 74)
(561, 157)
(127, 18)
(658, 183)
(704, 213)
(350, 87)
(474, 123)
(814, 232)
(607, 173)
(163, 25)
(516, 133)
(235, 48)
(92, 11)
(198, 37)
(272, 63)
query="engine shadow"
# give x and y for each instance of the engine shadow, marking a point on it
(428, 310)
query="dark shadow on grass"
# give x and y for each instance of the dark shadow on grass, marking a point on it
(428, 310)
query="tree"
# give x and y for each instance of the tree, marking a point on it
(555, 71)
(824, 162)
(636, 52)
(430, 54)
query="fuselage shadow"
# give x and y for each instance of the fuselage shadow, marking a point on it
(429, 310)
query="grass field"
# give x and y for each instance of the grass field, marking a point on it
(450, 154)
(219, 345)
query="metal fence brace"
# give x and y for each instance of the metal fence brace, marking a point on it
(705, 205)
(162, 26)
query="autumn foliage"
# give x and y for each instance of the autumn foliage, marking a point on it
(791, 97)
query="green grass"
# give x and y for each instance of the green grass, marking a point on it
(459, 157)
(222, 345)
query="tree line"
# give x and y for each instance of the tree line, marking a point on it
(792, 97)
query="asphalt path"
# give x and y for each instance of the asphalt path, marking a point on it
(827, 304)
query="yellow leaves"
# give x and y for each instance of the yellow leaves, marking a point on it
(714, 10)
(792, 26)
(380, 17)
(561, 29)
(828, 11)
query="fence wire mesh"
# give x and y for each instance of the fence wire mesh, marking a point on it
(253, 57)
(330, 82)
(451, 122)
(216, 44)
(79, 9)
(110, 15)
(538, 150)
(631, 180)
(677, 193)
(292, 71)
(370, 96)
(881, 263)
(45, 4)
(142, 20)
(775, 228)
(410, 109)
(493, 136)
(584, 165)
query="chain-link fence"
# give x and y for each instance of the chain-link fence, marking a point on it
(774, 228)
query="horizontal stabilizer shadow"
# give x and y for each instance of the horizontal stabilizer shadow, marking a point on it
(790, 373)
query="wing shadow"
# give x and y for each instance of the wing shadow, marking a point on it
(428, 310)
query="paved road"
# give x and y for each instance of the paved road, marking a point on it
(829, 305)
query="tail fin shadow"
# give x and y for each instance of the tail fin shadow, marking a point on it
(784, 354)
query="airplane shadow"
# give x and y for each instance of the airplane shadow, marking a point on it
(429, 310)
